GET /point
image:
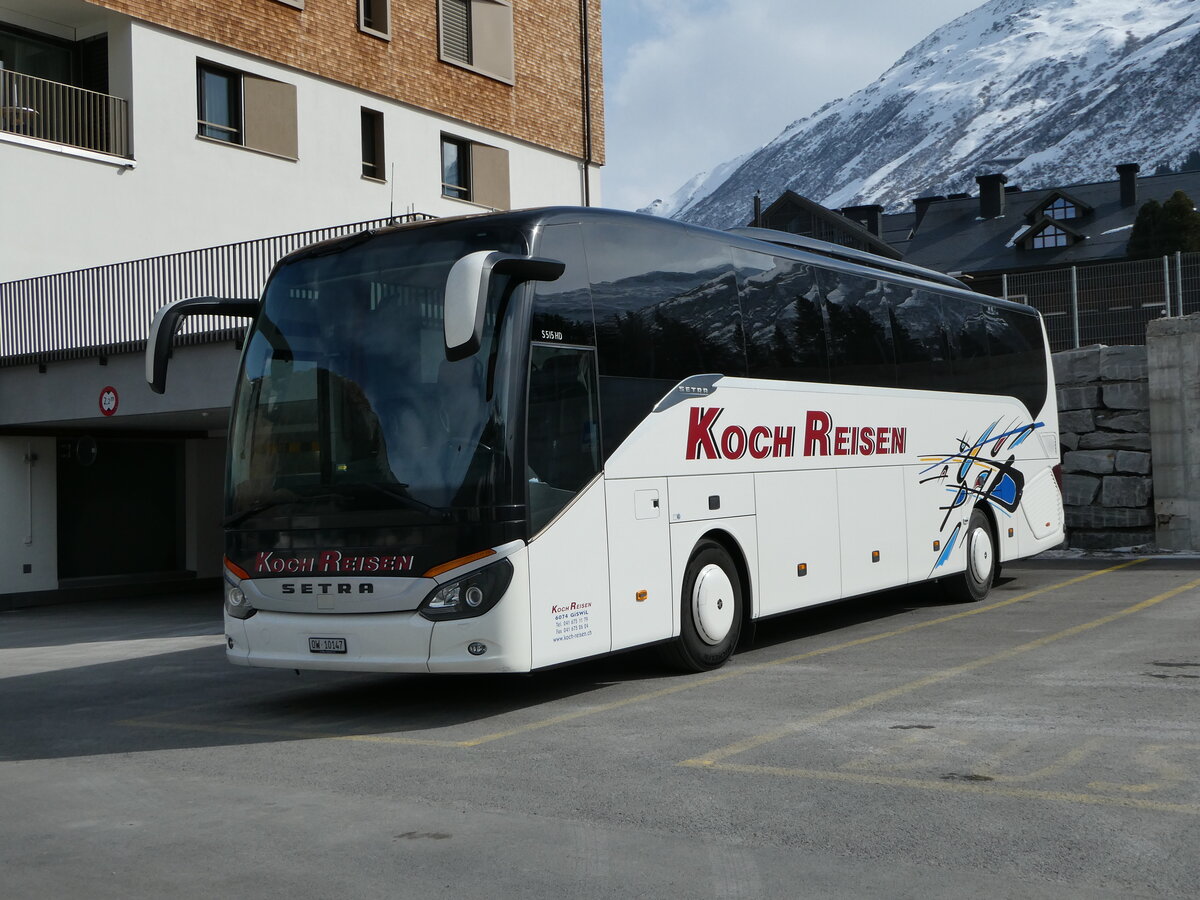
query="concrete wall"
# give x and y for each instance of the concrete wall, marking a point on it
(66, 211)
(204, 493)
(1173, 347)
(29, 523)
(67, 394)
(1104, 422)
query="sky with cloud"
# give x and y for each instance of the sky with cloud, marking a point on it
(690, 84)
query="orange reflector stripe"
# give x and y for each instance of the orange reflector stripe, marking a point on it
(455, 563)
(641, 596)
(236, 570)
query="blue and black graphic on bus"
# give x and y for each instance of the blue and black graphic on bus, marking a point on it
(979, 472)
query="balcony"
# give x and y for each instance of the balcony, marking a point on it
(75, 117)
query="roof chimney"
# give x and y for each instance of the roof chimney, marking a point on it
(922, 205)
(991, 195)
(1128, 174)
(869, 217)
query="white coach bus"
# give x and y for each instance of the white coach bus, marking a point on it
(505, 442)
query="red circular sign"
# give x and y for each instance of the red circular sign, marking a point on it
(109, 401)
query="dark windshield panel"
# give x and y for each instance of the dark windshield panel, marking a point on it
(346, 401)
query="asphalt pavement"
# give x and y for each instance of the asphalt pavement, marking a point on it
(1042, 743)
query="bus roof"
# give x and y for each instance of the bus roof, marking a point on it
(760, 239)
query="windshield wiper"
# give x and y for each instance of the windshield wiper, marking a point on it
(259, 508)
(239, 518)
(399, 492)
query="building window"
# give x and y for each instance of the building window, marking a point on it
(245, 109)
(220, 115)
(456, 168)
(478, 35)
(1061, 208)
(372, 144)
(1049, 237)
(475, 172)
(373, 17)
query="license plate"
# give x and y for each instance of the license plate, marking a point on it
(326, 645)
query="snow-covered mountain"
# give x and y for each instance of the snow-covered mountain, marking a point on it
(1047, 91)
(695, 189)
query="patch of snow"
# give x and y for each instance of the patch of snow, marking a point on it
(1012, 241)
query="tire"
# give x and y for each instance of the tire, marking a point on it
(711, 608)
(973, 584)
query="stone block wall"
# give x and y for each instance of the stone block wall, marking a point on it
(1173, 346)
(1104, 429)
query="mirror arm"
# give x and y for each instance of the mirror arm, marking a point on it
(467, 291)
(166, 323)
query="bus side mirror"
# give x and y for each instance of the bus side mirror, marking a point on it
(166, 323)
(467, 288)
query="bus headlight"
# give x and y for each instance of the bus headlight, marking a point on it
(469, 596)
(237, 604)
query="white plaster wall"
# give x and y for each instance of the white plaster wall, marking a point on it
(61, 212)
(29, 521)
(204, 462)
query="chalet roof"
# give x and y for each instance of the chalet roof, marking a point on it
(1034, 212)
(953, 238)
(855, 234)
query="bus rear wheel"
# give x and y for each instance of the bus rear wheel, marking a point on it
(710, 610)
(976, 580)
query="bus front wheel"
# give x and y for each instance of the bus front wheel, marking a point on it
(976, 580)
(711, 610)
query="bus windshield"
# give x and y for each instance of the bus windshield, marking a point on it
(346, 401)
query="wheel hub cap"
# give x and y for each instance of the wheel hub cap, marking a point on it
(981, 555)
(712, 604)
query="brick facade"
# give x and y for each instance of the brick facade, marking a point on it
(544, 106)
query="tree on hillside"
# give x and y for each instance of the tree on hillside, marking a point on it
(1161, 229)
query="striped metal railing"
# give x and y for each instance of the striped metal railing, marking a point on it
(52, 111)
(107, 309)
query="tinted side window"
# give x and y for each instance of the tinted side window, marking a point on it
(783, 318)
(922, 351)
(1018, 357)
(860, 332)
(564, 428)
(966, 327)
(665, 301)
(562, 309)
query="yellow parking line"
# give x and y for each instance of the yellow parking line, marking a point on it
(285, 734)
(686, 683)
(690, 683)
(828, 715)
(957, 787)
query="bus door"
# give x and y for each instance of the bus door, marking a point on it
(568, 549)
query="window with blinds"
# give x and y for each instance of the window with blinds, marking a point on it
(456, 30)
(478, 35)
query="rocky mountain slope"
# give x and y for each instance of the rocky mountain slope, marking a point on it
(1047, 91)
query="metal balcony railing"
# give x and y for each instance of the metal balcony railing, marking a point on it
(51, 111)
(107, 309)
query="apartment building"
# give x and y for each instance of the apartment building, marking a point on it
(138, 138)
(132, 128)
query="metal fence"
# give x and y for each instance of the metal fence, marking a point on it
(1110, 303)
(52, 111)
(107, 309)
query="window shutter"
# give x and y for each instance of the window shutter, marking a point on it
(489, 176)
(456, 30)
(269, 112)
